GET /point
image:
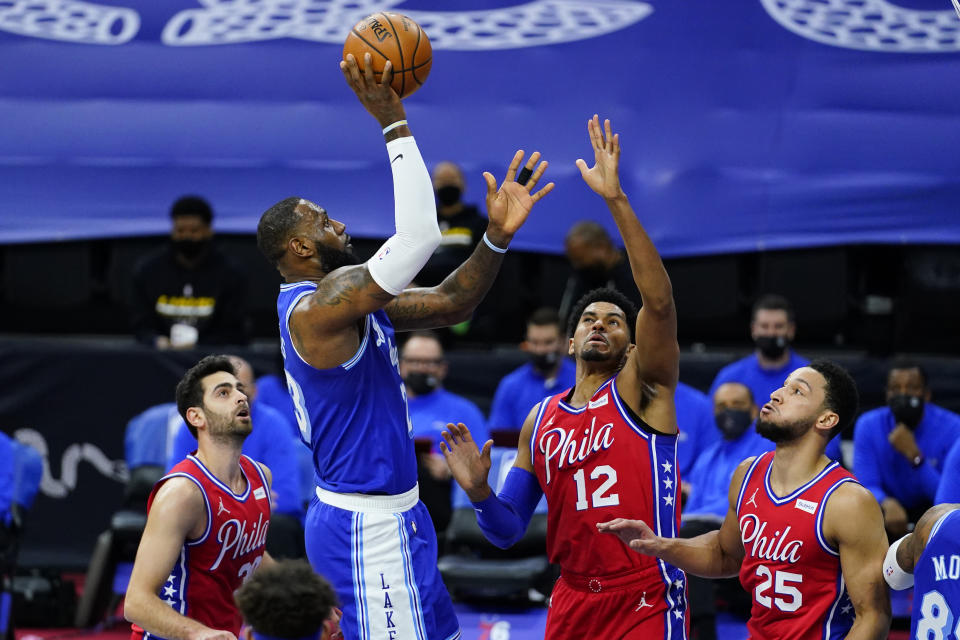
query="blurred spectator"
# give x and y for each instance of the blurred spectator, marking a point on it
(596, 263)
(287, 599)
(272, 443)
(548, 373)
(423, 369)
(461, 225)
(949, 489)
(772, 329)
(186, 292)
(697, 428)
(707, 486)
(899, 450)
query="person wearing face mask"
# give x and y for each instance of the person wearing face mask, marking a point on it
(706, 488)
(187, 293)
(461, 225)
(900, 449)
(596, 263)
(772, 329)
(423, 369)
(548, 372)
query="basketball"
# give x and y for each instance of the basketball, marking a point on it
(397, 38)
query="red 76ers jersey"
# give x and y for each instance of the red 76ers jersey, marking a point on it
(789, 568)
(597, 463)
(210, 568)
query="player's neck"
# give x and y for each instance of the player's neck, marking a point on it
(795, 464)
(588, 381)
(223, 461)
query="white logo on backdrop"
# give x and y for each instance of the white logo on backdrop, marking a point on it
(872, 25)
(71, 459)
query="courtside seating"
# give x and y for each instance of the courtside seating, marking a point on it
(473, 568)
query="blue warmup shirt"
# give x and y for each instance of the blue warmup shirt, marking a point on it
(936, 582)
(7, 481)
(762, 382)
(271, 442)
(698, 429)
(710, 477)
(353, 415)
(949, 489)
(885, 472)
(431, 413)
(521, 389)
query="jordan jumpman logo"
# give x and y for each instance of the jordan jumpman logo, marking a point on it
(753, 499)
(643, 602)
(222, 508)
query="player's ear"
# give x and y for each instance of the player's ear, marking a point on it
(195, 417)
(828, 420)
(301, 247)
(570, 347)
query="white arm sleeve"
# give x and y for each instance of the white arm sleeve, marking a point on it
(402, 256)
(896, 577)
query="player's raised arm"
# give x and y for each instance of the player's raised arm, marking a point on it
(656, 358)
(853, 523)
(172, 519)
(715, 554)
(454, 299)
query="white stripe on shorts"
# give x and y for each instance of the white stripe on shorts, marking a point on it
(387, 598)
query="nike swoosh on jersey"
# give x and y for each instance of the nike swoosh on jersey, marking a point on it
(399, 156)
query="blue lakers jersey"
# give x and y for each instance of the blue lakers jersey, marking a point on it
(936, 583)
(353, 416)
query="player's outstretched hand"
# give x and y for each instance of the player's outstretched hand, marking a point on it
(509, 205)
(635, 534)
(378, 98)
(603, 176)
(468, 464)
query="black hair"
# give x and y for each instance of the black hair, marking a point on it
(275, 228)
(902, 364)
(590, 232)
(190, 388)
(192, 206)
(772, 302)
(286, 600)
(605, 294)
(841, 395)
(545, 317)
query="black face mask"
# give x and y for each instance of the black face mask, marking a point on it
(772, 346)
(907, 409)
(191, 249)
(421, 383)
(544, 362)
(594, 273)
(733, 422)
(449, 195)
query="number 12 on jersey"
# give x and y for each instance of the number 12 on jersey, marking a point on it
(599, 498)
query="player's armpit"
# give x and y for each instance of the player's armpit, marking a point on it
(853, 524)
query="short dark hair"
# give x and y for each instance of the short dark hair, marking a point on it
(545, 317)
(589, 231)
(190, 387)
(605, 294)
(901, 364)
(286, 600)
(841, 393)
(772, 302)
(275, 228)
(192, 206)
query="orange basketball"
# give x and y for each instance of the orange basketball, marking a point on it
(397, 38)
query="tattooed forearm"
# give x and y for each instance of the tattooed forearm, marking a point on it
(453, 300)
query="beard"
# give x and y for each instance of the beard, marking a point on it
(332, 259)
(780, 433)
(228, 427)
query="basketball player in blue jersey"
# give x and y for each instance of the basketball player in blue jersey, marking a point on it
(929, 560)
(366, 530)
